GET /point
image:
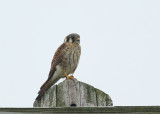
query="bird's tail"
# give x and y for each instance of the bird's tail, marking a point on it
(46, 86)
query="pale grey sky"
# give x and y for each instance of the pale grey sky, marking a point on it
(120, 42)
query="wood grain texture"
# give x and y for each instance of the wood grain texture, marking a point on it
(73, 93)
(85, 110)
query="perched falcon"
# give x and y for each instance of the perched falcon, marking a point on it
(64, 63)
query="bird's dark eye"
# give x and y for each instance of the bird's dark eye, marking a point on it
(69, 39)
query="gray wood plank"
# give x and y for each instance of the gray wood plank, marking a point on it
(88, 95)
(85, 110)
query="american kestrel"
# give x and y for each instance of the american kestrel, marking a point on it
(64, 63)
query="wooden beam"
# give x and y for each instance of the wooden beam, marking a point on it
(82, 110)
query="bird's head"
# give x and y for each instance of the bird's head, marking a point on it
(72, 38)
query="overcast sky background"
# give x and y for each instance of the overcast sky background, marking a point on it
(120, 42)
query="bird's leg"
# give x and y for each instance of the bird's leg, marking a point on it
(68, 77)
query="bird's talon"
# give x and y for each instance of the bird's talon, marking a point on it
(69, 77)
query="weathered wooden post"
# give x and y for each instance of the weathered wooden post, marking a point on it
(73, 93)
(62, 97)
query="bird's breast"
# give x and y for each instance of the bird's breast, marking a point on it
(71, 58)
